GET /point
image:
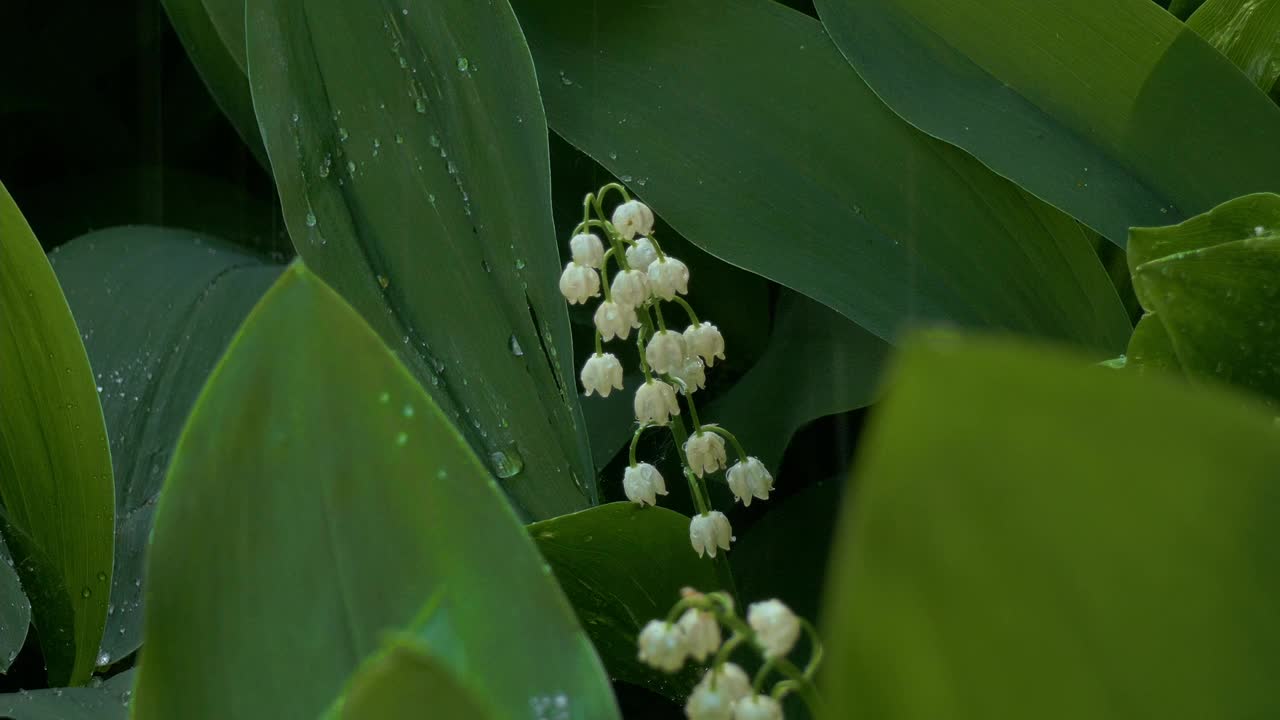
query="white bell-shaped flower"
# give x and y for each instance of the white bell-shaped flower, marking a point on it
(716, 695)
(757, 707)
(668, 276)
(692, 377)
(777, 628)
(655, 403)
(702, 632)
(579, 282)
(665, 352)
(643, 483)
(731, 677)
(587, 249)
(705, 341)
(641, 255)
(601, 374)
(749, 478)
(662, 646)
(614, 320)
(709, 531)
(633, 218)
(630, 287)
(705, 452)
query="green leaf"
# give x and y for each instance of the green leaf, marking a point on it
(1078, 102)
(1214, 283)
(220, 63)
(55, 466)
(406, 683)
(1150, 348)
(1183, 9)
(107, 700)
(817, 364)
(15, 611)
(1032, 537)
(750, 134)
(622, 566)
(1247, 32)
(193, 292)
(317, 499)
(410, 151)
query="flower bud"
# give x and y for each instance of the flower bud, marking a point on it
(692, 376)
(777, 628)
(641, 255)
(633, 218)
(705, 452)
(715, 696)
(749, 478)
(655, 403)
(665, 352)
(587, 249)
(757, 707)
(579, 282)
(706, 532)
(668, 276)
(614, 320)
(602, 374)
(705, 340)
(701, 631)
(630, 287)
(662, 646)
(643, 483)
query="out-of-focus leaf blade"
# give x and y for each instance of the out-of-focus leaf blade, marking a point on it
(1247, 32)
(405, 683)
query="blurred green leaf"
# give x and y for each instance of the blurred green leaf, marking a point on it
(622, 566)
(317, 499)
(1213, 283)
(1031, 537)
(817, 364)
(406, 683)
(1183, 9)
(1247, 32)
(15, 611)
(107, 700)
(55, 466)
(410, 152)
(1150, 348)
(1078, 102)
(157, 307)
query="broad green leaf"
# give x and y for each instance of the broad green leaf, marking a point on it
(15, 611)
(1213, 282)
(1247, 32)
(221, 68)
(749, 133)
(1183, 9)
(55, 466)
(406, 683)
(1150, 348)
(410, 151)
(622, 566)
(1033, 537)
(1111, 110)
(105, 700)
(318, 499)
(156, 307)
(817, 363)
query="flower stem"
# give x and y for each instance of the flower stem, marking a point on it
(737, 446)
(599, 343)
(634, 440)
(693, 412)
(693, 317)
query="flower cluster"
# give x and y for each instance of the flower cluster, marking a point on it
(692, 630)
(674, 362)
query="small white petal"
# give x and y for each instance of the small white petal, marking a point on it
(749, 478)
(601, 374)
(655, 403)
(614, 320)
(662, 645)
(709, 531)
(665, 352)
(633, 218)
(705, 451)
(667, 277)
(587, 249)
(702, 631)
(630, 287)
(777, 628)
(692, 377)
(579, 282)
(757, 707)
(705, 340)
(730, 678)
(641, 255)
(643, 483)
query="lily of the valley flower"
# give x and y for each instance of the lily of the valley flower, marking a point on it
(587, 249)
(692, 376)
(757, 707)
(668, 276)
(655, 403)
(662, 646)
(717, 693)
(643, 483)
(665, 352)
(709, 531)
(601, 374)
(705, 452)
(614, 320)
(702, 631)
(579, 282)
(705, 340)
(777, 628)
(749, 478)
(641, 255)
(633, 218)
(630, 287)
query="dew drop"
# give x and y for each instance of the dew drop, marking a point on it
(86, 592)
(515, 347)
(383, 281)
(402, 439)
(311, 219)
(384, 398)
(103, 659)
(407, 411)
(420, 105)
(519, 263)
(342, 134)
(463, 64)
(506, 464)
(351, 167)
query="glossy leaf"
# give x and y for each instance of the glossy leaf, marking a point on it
(1213, 282)
(406, 683)
(1150, 348)
(709, 112)
(105, 700)
(1247, 32)
(622, 566)
(1090, 105)
(15, 611)
(318, 499)
(410, 152)
(55, 466)
(156, 308)
(817, 364)
(1033, 537)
